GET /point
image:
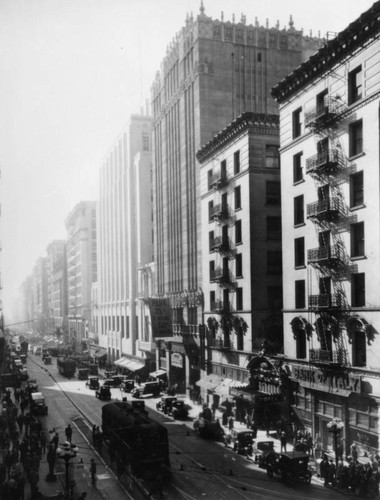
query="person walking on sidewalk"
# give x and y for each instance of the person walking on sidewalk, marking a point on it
(69, 433)
(93, 471)
(283, 441)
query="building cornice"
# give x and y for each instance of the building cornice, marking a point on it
(357, 34)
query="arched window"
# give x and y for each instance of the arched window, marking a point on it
(359, 349)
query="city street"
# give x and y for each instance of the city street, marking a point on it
(199, 468)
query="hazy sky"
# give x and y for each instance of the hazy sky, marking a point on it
(71, 73)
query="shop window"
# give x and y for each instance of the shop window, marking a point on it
(355, 85)
(272, 157)
(300, 302)
(355, 134)
(297, 124)
(237, 162)
(297, 167)
(301, 344)
(357, 240)
(273, 193)
(237, 193)
(238, 236)
(356, 190)
(299, 252)
(299, 216)
(359, 349)
(273, 228)
(358, 290)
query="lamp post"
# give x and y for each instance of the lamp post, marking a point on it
(67, 451)
(335, 427)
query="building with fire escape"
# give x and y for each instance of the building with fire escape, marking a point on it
(213, 71)
(329, 115)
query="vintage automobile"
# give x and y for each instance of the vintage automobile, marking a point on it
(112, 382)
(263, 452)
(127, 385)
(24, 374)
(180, 410)
(37, 404)
(242, 441)
(166, 404)
(93, 368)
(291, 467)
(31, 385)
(47, 360)
(83, 373)
(146, 390)
(110, 373)
(92, 382)
(103, 393)
(23, 358)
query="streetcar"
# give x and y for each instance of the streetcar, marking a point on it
(138, 440)
(66, 367)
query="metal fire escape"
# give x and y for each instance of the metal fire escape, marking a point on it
(328, 213)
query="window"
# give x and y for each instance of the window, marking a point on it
(273, 228)
(356, 190)
(297, 168)
(299, 252)
(237, 192)
(239, 299)
(236, 162)
(300, 294)
(239, 265)
(223, 170)
(355, 133)
(321, 103)
(298, 210)
(274, 262)
(359, 350)
(238, 232)
(211, 241)
(358, 290)
(212, 300)
(272, 157)
(297, 125)
(273, 193)
(209, 179)
(357, 239)
(355, 85)
(212, 269)
(127, 327)
(145, 141)
(301, 344)
(259, 57)
(210, 210)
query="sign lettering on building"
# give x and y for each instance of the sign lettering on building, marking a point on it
(338, 383)
(177, 359)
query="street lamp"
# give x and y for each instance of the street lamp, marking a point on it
(335, 427)
(67, 451)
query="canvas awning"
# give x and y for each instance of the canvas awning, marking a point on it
(158, 373)
(209, 381)
(121, 361)
(100, 353)
(134, 366)
(223, 389)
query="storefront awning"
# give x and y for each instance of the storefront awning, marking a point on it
(209, 381)
(158, 373)
(100, 353)
(121, 361)
(133, 366)
(223, 389)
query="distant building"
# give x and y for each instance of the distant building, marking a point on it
(241, 251)
(329, 115)
(40, 302)
(214, 70)
(56, 269)
(81, 270)
(125, 244)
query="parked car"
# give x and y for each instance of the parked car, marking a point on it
(242, 441)
(37, 404)
(83, 373)
(180, 410)
(110, 373)
(166, 404)
(291, 467)
(31, 385)
(103, 393)
(146, 390)
(92, 382)
(111, 382)
(263, 452)
(127, 385)
(24, 374)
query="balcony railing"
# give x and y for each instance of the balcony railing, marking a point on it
(323, 161)
(180, 328)
(324, 113)
(339, 356)
(324, 209)
(325, 301)
(218, 180)
(222, 344)
(221, 244)
(221, 276)
(219, 212)
(328, 254)
(220, 306)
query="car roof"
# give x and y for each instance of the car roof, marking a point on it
(37, 395)
(294, 454)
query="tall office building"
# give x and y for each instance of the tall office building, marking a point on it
(40, 309)
(124, 243)
(81, 270)
(56, 269)
(214, 70)
(329, 115)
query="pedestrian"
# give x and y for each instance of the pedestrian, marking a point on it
(283, 441)
(230, 424)
(93, 471)
(69, 433)
(55, 440)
